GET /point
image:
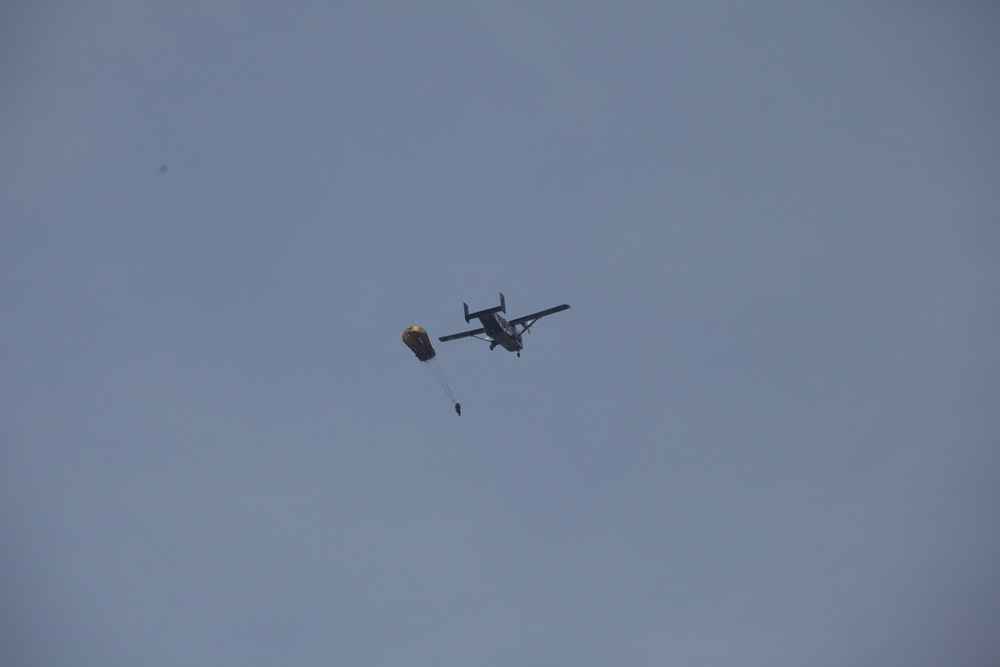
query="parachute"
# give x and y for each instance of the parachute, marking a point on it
(419, 343)
(416, 339)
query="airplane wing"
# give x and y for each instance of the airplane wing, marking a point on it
(464, 334)
(528, 320)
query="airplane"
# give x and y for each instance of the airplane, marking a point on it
(498, 330)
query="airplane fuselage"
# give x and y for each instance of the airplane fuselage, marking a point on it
(501, 332)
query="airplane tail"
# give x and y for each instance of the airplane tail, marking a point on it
(502, 308)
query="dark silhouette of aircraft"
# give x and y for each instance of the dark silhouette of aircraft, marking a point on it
(499, 331)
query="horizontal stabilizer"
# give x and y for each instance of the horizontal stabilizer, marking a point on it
(502, 308)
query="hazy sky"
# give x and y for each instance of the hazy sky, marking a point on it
(766, 434)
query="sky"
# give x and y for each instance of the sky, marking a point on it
(765, 433)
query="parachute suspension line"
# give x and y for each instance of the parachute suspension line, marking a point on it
(439, 376)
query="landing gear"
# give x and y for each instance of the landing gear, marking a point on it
(518, 355)
(492, 345)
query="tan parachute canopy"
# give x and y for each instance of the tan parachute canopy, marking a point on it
(416, 339)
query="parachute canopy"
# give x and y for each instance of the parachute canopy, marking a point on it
(416, 339)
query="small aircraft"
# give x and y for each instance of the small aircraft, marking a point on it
(498, 330)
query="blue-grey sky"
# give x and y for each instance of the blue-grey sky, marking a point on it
(765, 434)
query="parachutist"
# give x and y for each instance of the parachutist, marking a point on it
(458, 409)
(416, 339)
